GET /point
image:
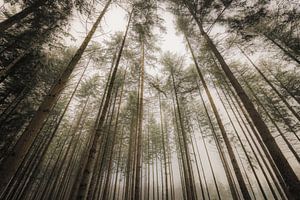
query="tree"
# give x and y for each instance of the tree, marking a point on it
(280, 160)
(13, 160)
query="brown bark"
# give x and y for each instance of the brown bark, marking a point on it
(282, 85)
(286, 170)
(263, 147)
(223, 132)
(140, 128)
(282, 98)
(14, 159)
(91, 158)
(286, 52)
(104, 196)
(192, 193)
(4, 25)
(243, 144)
(164, 147)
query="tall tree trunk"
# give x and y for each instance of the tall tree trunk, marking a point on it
(20, 15)
(197, 165)
(164, 147)
(31, 163)
(69, 169)
(286, 170)
(207, 154)
(242, 143)
(140, 128)
(103, 181)
(57, 125)
(223, 132)
(116, 185)
(263, 147)
(129, 157)
(74, 140)
(91, 158)
(104, 196)
(241, 120)
(282, 85)
(282, 98)
(148, 159)
(293, 151)
(76, 183)
(180, 156)
(191, 194)
(286, 52)
(14, 159)
(98, 171)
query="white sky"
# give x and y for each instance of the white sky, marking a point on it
(115, 20)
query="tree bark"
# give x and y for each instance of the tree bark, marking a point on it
(191, 193)
(272, 86)
(164, 147)
(256, 134)
(14, 159)
(113, 139)
(282, 48)
(85, 181)
(140, 128)
(223, 132)
(286, 170)
(4, 25)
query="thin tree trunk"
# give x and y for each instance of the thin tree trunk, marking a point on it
(14, 159)
(129, 158)
(253, 149)
(271, 162)
(183, 175)
(297, 99)
(68, 171)
(207, 154)
(243, 145)
(286, 170)
(79, 175)
(223, 132)
(274, 123)
(30, 165)
(118, 166)
(61, 117)
(191, 194)
(164, 148)
(4, 25)
(74, 139)
(140, 128)
(218, 145)
(272, 86)
(104, 196)
(197, 165)
(99, 173)
(107, 155)
(85, 181)
(286, 52)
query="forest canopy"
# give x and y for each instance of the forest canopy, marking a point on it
(149, 99)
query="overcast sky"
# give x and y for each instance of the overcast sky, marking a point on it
(115, 20)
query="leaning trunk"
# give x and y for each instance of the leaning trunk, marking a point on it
(224, 135)
(286, 170)
(14, 159)
(93, 151)
(20, 15)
